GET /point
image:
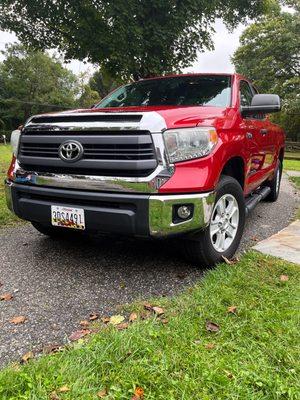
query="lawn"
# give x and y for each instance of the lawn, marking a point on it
(252, 354)
(6, 217)
(291, 165)
(296, 181)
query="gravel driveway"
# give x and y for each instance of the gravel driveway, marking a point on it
(56, 284)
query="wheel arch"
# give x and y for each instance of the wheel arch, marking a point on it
(235, 167)
(281, 155)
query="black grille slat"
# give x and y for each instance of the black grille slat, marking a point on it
(131, 154)
(52, 119)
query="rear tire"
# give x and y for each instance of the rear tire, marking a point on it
(274, 184)
(55, 232)
(222, 236)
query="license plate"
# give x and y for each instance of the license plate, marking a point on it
(68, 217)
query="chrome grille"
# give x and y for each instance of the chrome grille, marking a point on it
(125, 153)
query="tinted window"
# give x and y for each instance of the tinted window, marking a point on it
(175, 91)
(245, 94)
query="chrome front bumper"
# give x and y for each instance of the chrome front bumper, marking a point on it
(8, 195)
(161, 213)
(153, 215)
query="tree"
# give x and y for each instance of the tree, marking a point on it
(33, 82)
(130, 38)
(103, 82)
(269, 54)
(87, 95)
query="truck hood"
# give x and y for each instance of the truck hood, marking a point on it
(174, 116)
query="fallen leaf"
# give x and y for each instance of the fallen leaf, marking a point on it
(145, 315)
(27, 356)
(226, 260)
(6, 296)
(51, 348)
(284, 278)
(122, 285)
(209, 346)
(15, 366)
(232, 309)
(139, 392)
(133, 316)
(148, 306)
(84, 323)
(53, 396)
(116, 319)
(164, 321)
(212, 326)
(255, 238)
(105, 320)
(102, 393)
(158, 310)
(64, 389)
(93, 316)
(232, 261)
(122, 326)
(79, 334)
(18, 320)
(181, 275)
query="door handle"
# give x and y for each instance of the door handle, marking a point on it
(263, 131)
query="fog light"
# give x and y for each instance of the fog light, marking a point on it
(184, 212)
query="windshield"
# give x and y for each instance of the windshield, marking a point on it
(204, 90)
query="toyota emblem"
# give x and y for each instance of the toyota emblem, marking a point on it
(70, 151)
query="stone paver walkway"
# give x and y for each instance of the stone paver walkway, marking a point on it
(284, 244)
(293, 173)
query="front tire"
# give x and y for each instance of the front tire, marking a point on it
(222, 236)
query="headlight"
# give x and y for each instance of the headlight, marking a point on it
(188, 143)
(14, 141)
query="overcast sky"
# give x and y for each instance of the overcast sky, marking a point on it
(211, 61)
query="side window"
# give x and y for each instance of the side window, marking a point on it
(246, 93)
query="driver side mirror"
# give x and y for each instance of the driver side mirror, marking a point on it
(262, 104)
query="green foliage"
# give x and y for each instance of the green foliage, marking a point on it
(33, 82)
(254, 355)
(270, 55)
(103, 82)
(88, 97)
(130, 38)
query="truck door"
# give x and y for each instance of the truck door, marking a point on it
(257, 141)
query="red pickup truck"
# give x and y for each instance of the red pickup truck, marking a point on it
(186, 155)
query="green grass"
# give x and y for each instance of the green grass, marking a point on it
(296, 181)
(6, 217)
(291, 165)
(255, 353)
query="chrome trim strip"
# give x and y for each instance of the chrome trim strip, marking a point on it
(161, 213)
(151, 121)
(8, 195)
